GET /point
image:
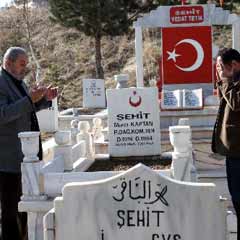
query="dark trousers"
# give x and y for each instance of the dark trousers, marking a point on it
(14, 224)
(237, 209)
(233, 178)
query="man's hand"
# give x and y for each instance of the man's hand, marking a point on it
(51, 93)
(40, 91)
(37, 93)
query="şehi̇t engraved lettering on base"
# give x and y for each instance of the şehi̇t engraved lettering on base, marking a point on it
(139, 218)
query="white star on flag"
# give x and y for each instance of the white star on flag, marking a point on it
(173, 55)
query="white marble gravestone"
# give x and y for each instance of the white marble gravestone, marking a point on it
(48, 118)
(138, 204)
(94, 93)
(133, 121)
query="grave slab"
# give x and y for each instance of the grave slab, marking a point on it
(139, 204)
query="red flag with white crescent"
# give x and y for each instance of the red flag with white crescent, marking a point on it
(187, 55)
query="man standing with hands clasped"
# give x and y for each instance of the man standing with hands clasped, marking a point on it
(226, 132)
(18, 108)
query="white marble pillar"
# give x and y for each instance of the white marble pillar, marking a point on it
(97, 130)
(35, 226)
(49, 225)
(86, 136)
(32, 186)
(64, 148)
(30, 145)
(139, 56)
(180, 138)
(74, 131)
(33, 197)
(186, 122)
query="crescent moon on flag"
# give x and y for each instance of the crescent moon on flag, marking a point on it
(200, 55)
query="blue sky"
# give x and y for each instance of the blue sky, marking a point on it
(4, 2)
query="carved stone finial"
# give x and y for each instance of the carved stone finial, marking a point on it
(74, 130)
(64, 148)
(62, 137)
(74, 123)
(30, 145)
(97, 129)
(180, 138)
(86, 136)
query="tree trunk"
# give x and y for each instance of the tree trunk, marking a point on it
(98, 57)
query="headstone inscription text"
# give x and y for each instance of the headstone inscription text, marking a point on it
(134, 122)
(139, 204)
(182, 99)
(193, 98)
(94, 93)
(171, 99)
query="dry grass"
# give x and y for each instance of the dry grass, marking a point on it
(67, 56)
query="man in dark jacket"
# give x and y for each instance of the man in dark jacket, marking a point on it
(18, 109)
(226, 134)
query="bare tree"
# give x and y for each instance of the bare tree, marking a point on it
(28, 26)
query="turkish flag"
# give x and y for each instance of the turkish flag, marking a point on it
(187, 55)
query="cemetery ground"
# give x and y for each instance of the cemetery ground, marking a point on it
(114, 201)
(123, 164)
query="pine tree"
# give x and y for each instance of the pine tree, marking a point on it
(98, 18)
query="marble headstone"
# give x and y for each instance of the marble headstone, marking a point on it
(94, 93)
(139, 204)
(48, 118)
(133, 121)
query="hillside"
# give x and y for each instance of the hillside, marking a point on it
(67, 56)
